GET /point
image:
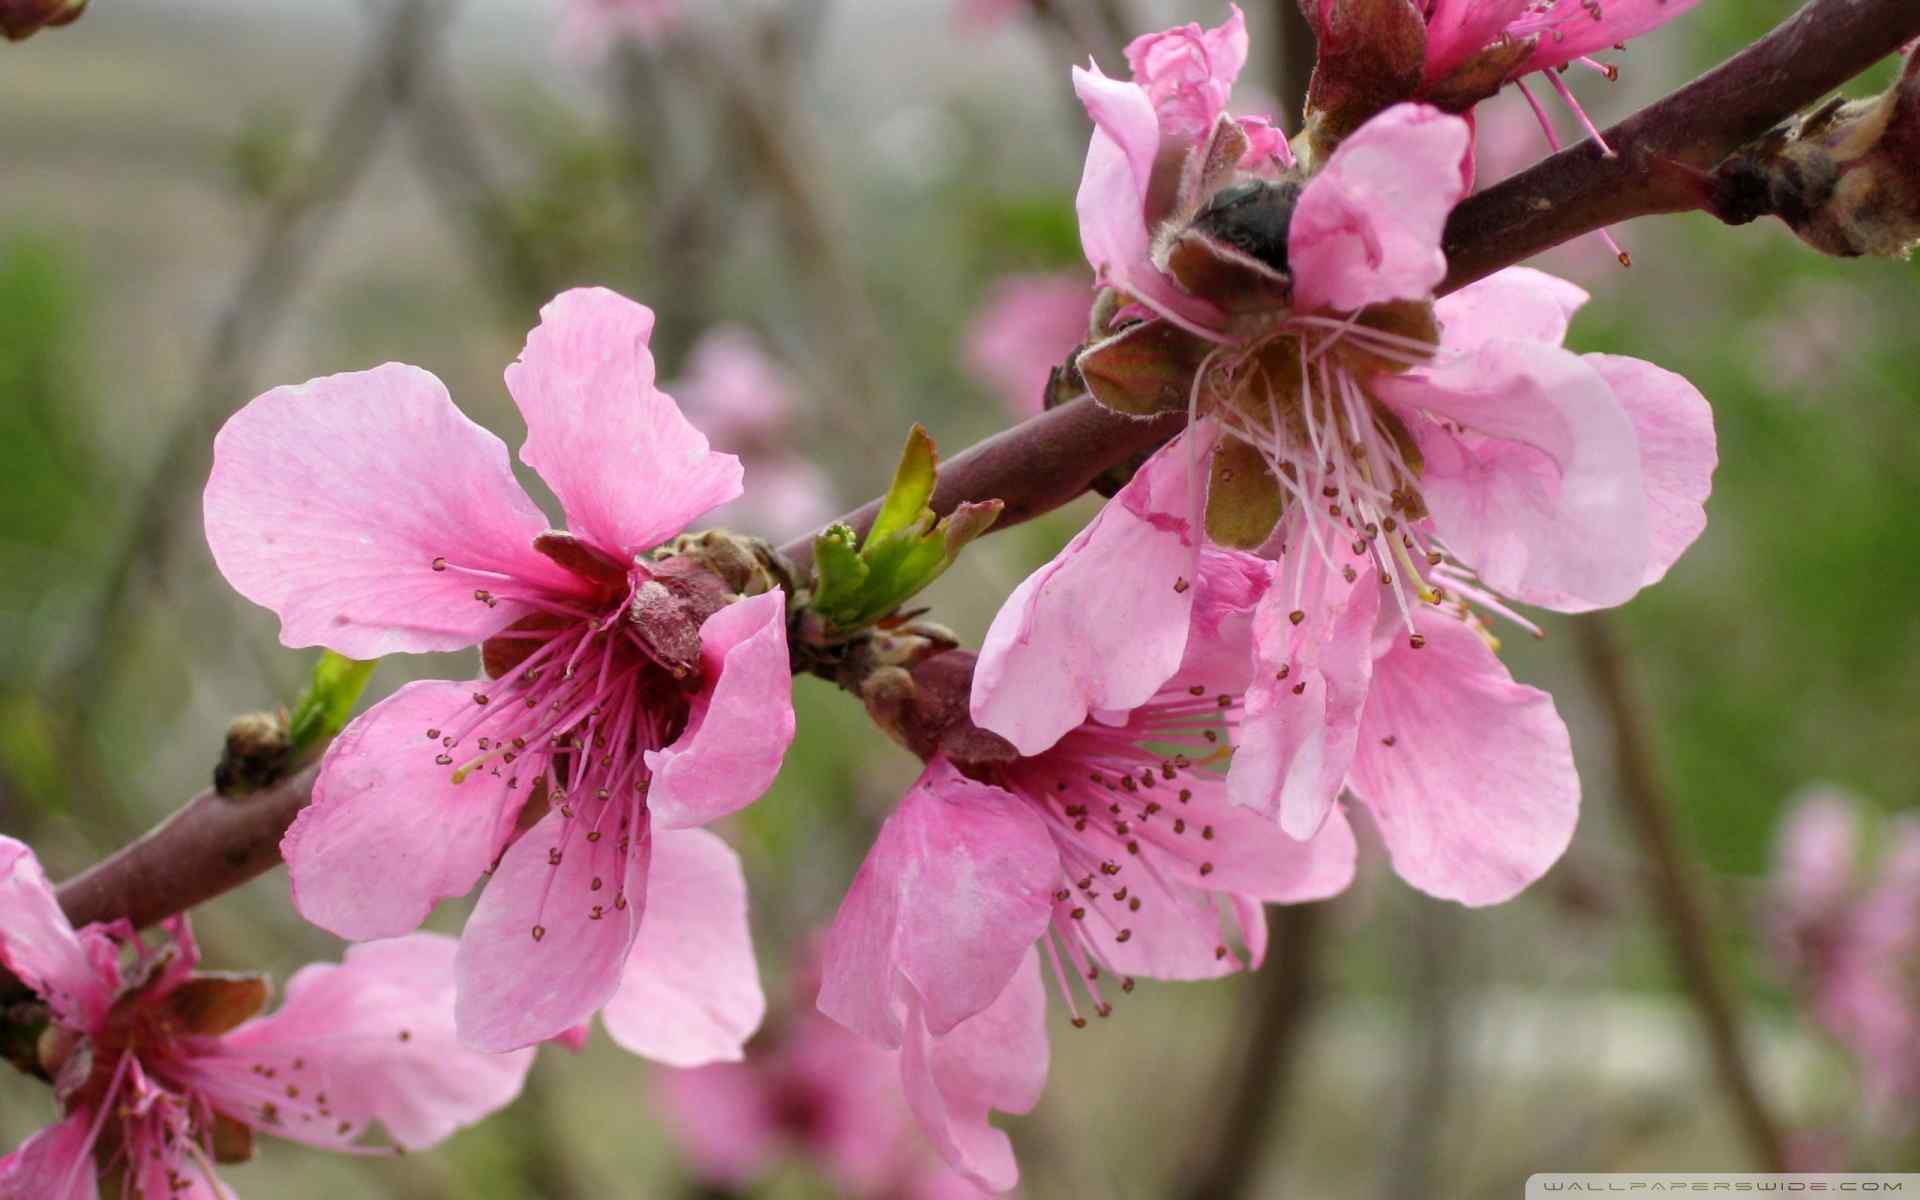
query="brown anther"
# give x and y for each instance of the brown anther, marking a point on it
(1126, 983)
(596, 885)
(1078, 914)
(553, 857)
(1133, 847)
(1133, 905)
(1225, 700)
(1198, 689)
(440, 563)
(593, 836)
(1125, 935)
(1179, 824)
(1181, 585)
(539, 931)
(1079, 1022)
(1297, 615)
(481, 698)
(1186, 794)
(1206, 869)
(1389, 740)
(1417, 641)
(1300, 688)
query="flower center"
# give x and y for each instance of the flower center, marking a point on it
(1346, 465)
(574, 698)
(1128, 807)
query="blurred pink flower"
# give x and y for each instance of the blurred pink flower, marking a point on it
(1852, 941)
(811, 1089)
(158, 1069)
(984, 16)
(1387, 427)
(742, 400)
(1113, 847)
(589, 28)
(1026, 327)
(374, 518)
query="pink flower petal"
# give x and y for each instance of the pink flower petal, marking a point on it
(1044, 665)
(690, 994)
(1116, 191)
(1518, 304)
(724, 1119)
(1459, 29)
(1543, 494)
(389, 834)
(742, 721)
(1025, 327)
(519, 988)
(1475, 794)
(38, 943)
(1813, 875)
(1302, 716)
(330, 502)
(375, 1035)
(1570, 31)
(955, 890)
(631, 471)
(1187, 72)
(54, 1164)
(1674, 425)
(996, 1059)
(1367, 227)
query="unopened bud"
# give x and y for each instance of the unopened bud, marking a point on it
(1845, 178)
(22, 18)
(925, 707)
(257, 752)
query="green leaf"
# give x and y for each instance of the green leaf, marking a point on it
(906, 549)
(905, 503)
(323, 709)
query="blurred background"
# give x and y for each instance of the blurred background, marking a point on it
(871, 201)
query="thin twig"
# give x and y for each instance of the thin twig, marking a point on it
(297, 222)
(1674, 888)
(1260, 1066)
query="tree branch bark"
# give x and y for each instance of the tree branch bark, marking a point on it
(1663, 150)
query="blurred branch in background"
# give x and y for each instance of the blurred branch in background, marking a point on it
(1259, 1067)
(299, 218)
(1292, 62)
(1432, 1053)
(1674, 888)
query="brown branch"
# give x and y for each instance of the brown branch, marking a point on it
(1260, 1068)
(1674, 886)
(1035, 467)
(1663, 150)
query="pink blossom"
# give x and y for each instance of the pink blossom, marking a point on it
(1027, 326)
(1113, 847)
(159, 1069)
(1474, 47)
(1852, 942)
(627, 695)
(741, 399)
(811, 1089)
(1425, 459)
(590, 28)
(1188, 71)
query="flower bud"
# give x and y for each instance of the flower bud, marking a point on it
(1845, 178)
(257, 752)
(23, 18)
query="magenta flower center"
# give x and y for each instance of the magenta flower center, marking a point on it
(1120, 802)
(579, 692)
